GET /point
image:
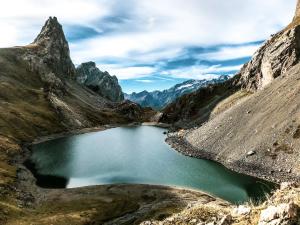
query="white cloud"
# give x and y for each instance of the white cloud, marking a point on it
(200, 72)
(166, 22)
(227, 53)
(170, 25)
(125, 73)
(145, 81)
(27, 16)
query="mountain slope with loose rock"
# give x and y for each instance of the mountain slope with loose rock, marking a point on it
(255, 128)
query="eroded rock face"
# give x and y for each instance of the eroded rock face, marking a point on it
(100, 82)
(273, 59)
(277, 55)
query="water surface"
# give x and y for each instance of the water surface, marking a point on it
(135, 155)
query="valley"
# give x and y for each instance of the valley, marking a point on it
(248, 123)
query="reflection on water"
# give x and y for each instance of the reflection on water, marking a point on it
(137, 155)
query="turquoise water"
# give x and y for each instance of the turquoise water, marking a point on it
(136, 155)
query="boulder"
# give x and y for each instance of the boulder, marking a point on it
(283, 214)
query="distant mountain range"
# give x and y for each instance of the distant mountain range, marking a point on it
(160, 99)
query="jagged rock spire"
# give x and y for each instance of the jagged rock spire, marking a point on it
(54, 49)
(51, 30)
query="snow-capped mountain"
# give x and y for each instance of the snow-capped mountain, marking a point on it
(160, 99)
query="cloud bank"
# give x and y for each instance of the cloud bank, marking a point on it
(154, 43)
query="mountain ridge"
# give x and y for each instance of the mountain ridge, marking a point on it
(100, 82)
(159, 99)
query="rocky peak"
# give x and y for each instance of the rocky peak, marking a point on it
(53, 50)
(100, 82)
(52, 31)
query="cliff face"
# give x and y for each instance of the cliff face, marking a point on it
(100, 82)
(278, 54)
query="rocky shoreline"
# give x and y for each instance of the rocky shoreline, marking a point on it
(178, 142)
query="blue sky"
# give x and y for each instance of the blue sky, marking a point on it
(153, 44)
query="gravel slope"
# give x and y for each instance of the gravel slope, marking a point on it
(266, 123)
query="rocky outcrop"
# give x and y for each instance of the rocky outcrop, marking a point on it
(283, 214)
(134, 112)
(100, 82)
(160, 99)
(277, 55)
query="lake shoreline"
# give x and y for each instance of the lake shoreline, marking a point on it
(93, 129)
(179, 143)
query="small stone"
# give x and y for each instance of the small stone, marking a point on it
(226, 220)
(242, 210)
(170, 219)
(289, 171)
(251, 153)
(193, 221)
(286, 185)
